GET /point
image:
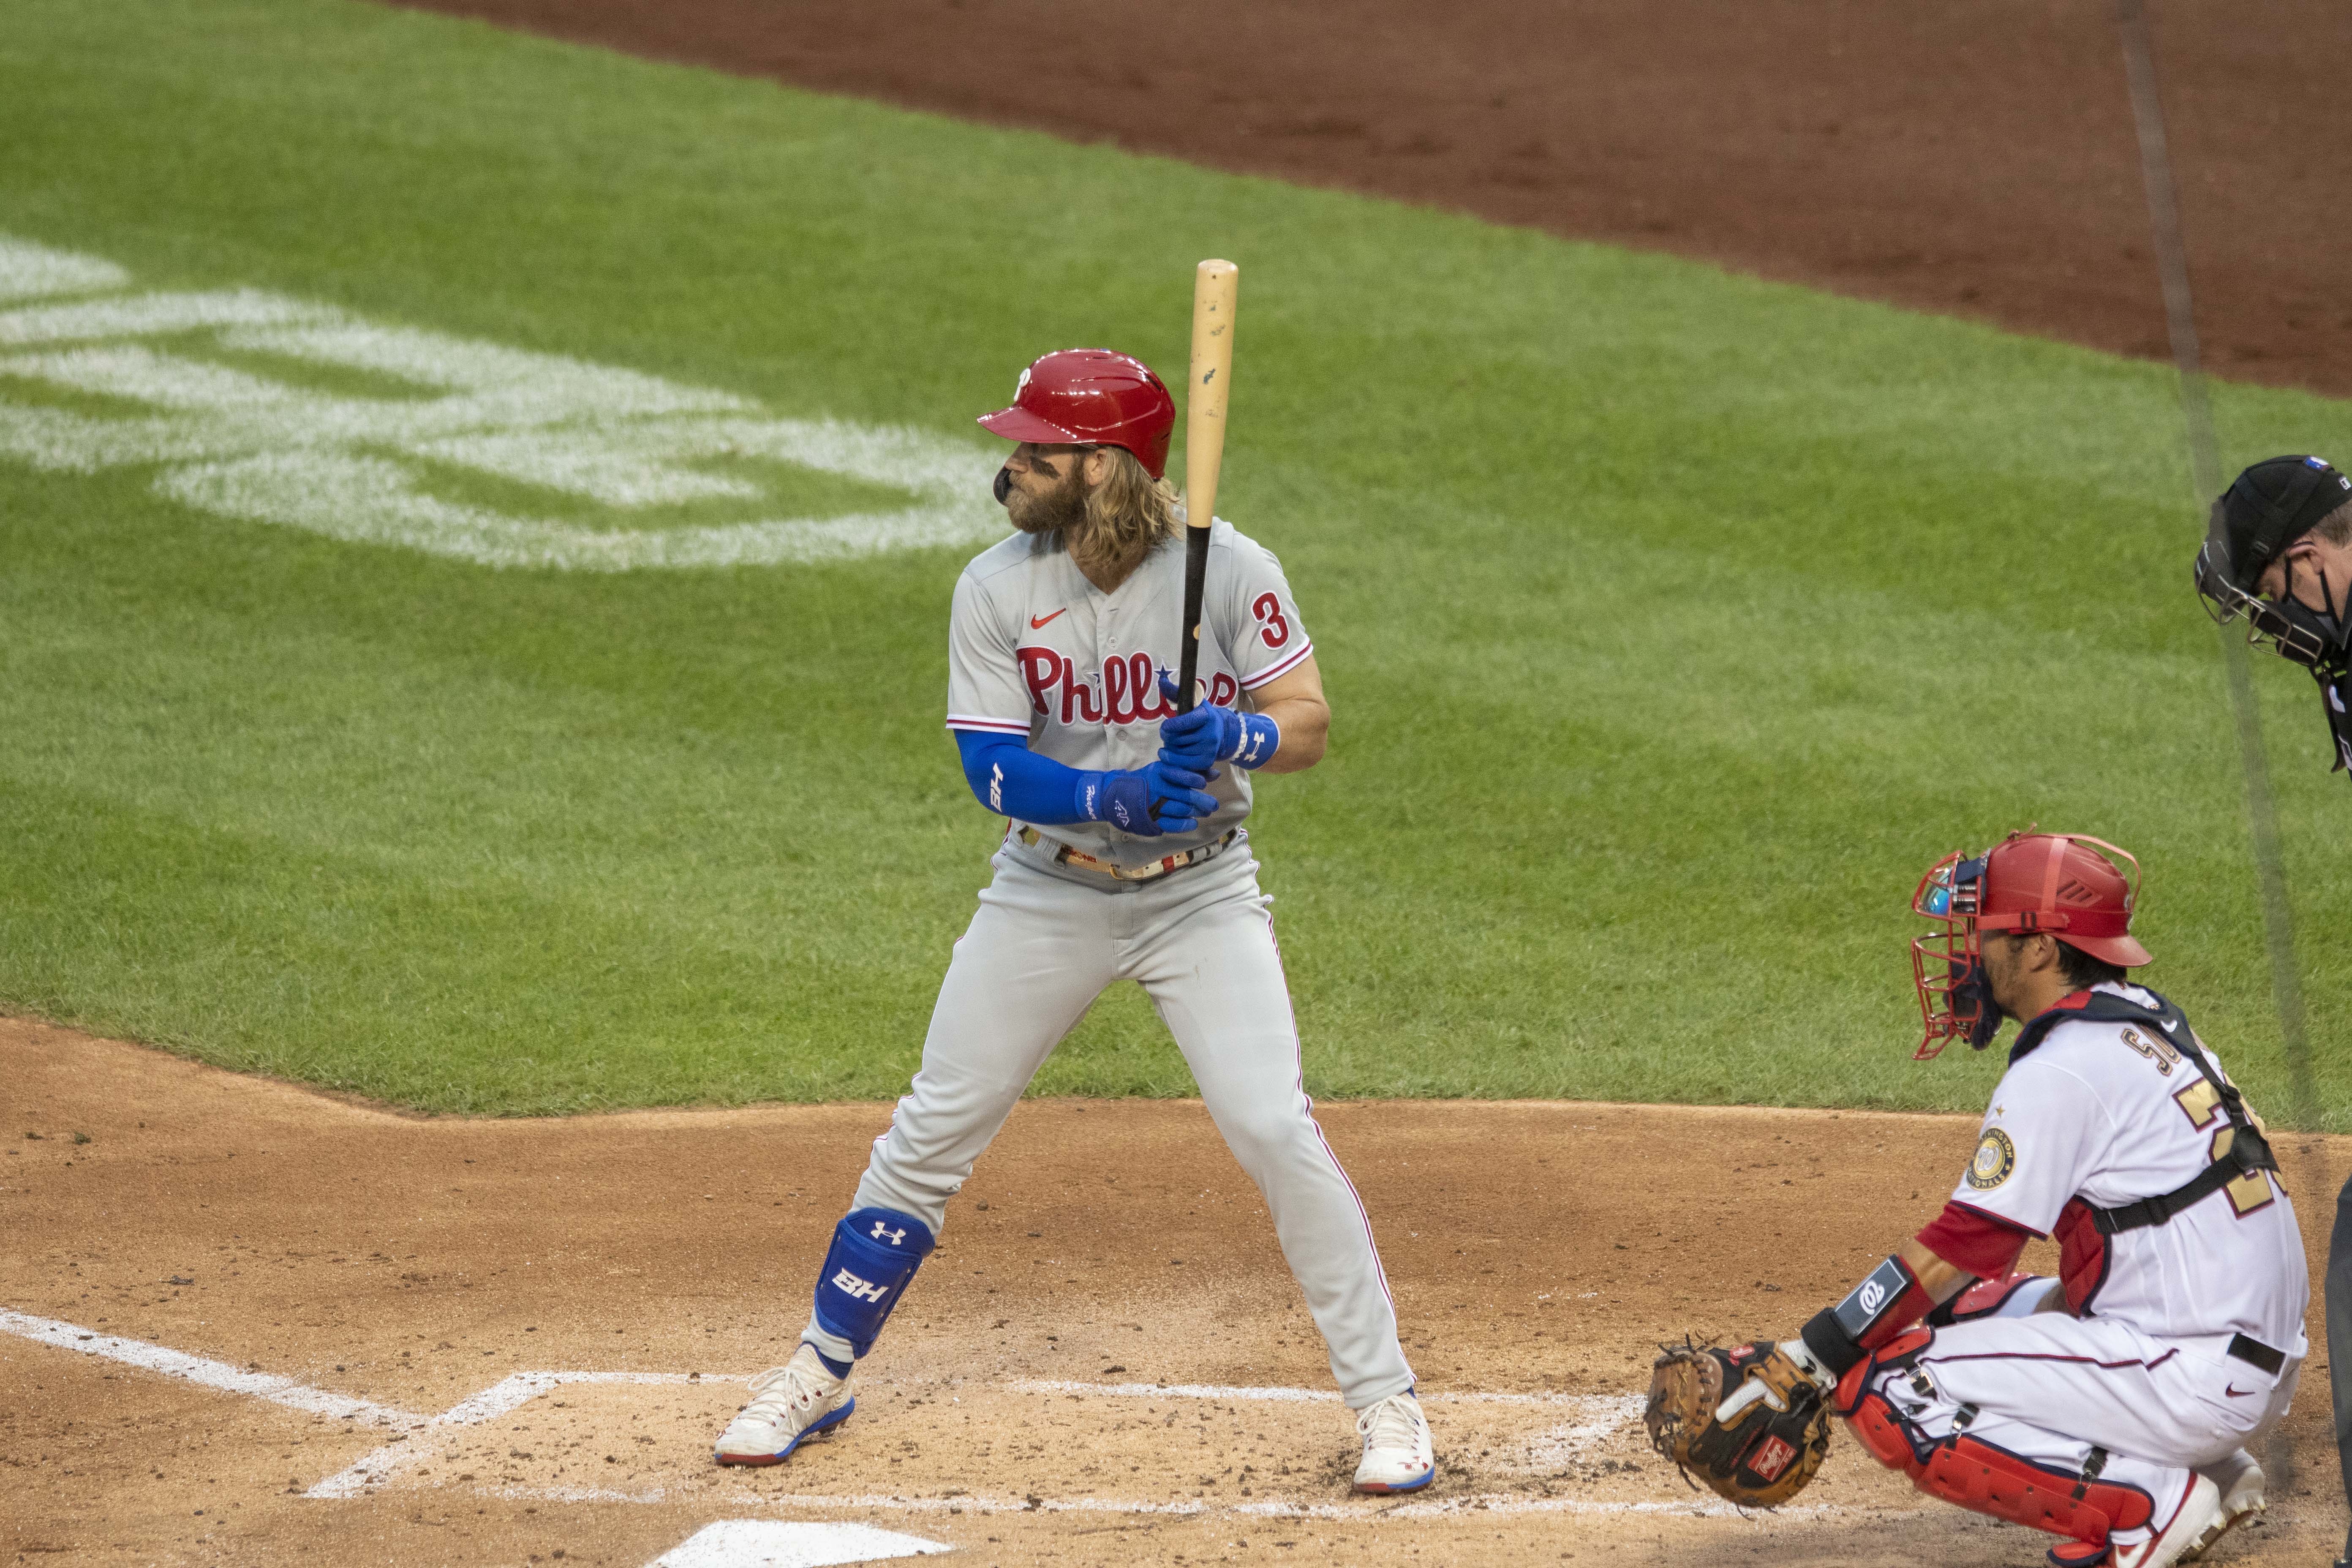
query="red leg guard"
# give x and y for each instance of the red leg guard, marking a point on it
(1909, 1342)
(1979, 1476)
(1883, 1435)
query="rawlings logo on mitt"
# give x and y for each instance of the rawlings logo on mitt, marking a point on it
(1771, 1447)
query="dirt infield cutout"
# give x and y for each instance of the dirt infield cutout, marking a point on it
(327, 1329)
(1173, 1450)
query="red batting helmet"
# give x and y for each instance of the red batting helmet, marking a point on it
(2077, 888)
(1090, 397)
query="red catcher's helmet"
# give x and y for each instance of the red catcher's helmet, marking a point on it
(2078, 890)
(1090, 397)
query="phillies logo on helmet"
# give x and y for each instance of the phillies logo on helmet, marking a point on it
(1126, 690)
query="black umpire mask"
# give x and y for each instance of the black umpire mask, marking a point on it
(2266, 509)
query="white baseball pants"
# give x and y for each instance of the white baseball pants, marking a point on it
(1042, 947)
(2049, 1387)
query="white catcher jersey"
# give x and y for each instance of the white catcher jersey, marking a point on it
(1037, 650)
(2112, 1113)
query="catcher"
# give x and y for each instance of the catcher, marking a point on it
(2111, 1406)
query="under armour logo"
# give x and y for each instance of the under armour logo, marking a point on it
(858, 1288)
(882, 1230)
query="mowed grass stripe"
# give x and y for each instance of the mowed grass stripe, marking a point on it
(1674, 621)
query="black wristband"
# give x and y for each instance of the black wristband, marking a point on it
(1829, 1342)
(1836, 1336)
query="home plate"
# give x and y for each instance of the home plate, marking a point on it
(771, 1544)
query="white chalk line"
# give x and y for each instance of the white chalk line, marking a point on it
(501, 1398)
(512, 1392)
(193, 1369)
(1364, 1509)
(1288, 1395)
(1609, 1412)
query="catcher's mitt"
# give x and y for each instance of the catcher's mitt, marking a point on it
(1765, 1456)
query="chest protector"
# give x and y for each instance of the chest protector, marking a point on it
(2084, 1227)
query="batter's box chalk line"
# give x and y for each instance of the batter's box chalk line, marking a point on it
(1590, 1418)
(1486, 1505)
(218, 1374)
(503, 1397)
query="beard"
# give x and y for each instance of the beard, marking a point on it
(1062, 507)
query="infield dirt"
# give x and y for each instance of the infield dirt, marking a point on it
(1036, 1399)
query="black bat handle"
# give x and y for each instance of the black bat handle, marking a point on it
(1196, 575)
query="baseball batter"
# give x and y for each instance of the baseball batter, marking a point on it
(2114, 1405)
(1127, 858)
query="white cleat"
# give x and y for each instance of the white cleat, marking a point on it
(2243, 1485)
(1397, 1457)
(2199, 1513)
(790, 1404)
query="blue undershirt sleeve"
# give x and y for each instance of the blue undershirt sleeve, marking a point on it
(1013, 780)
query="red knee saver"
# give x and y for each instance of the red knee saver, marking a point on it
(1976, 1475)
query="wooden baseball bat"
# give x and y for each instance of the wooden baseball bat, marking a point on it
(1216, 287)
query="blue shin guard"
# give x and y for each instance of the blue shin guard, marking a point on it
(874, 1253)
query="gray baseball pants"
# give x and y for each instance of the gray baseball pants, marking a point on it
(1044, 944)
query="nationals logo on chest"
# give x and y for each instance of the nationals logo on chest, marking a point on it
(1126, 690)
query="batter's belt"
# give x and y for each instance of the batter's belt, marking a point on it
(1064, 855)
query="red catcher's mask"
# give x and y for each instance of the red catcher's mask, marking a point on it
(1090, 397)
(2081, 890)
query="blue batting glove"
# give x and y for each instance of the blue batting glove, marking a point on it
(1210, 734)
(1121, 799)
(1148, 801)
(1177, 798)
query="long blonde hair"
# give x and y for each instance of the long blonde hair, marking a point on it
(1129, 512)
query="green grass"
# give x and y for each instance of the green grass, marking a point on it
(1675, 622)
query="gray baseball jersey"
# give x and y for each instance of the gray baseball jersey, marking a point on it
(1037, 650)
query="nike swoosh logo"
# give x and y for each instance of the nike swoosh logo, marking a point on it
(2234, 1391)
(1036, 621)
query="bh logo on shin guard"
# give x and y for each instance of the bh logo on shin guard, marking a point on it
(859, 1290)
(874, 1253)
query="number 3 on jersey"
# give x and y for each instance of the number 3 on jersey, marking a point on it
(1270, 624)
(2201, 1102)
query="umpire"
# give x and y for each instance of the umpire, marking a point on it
(2279, 553)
